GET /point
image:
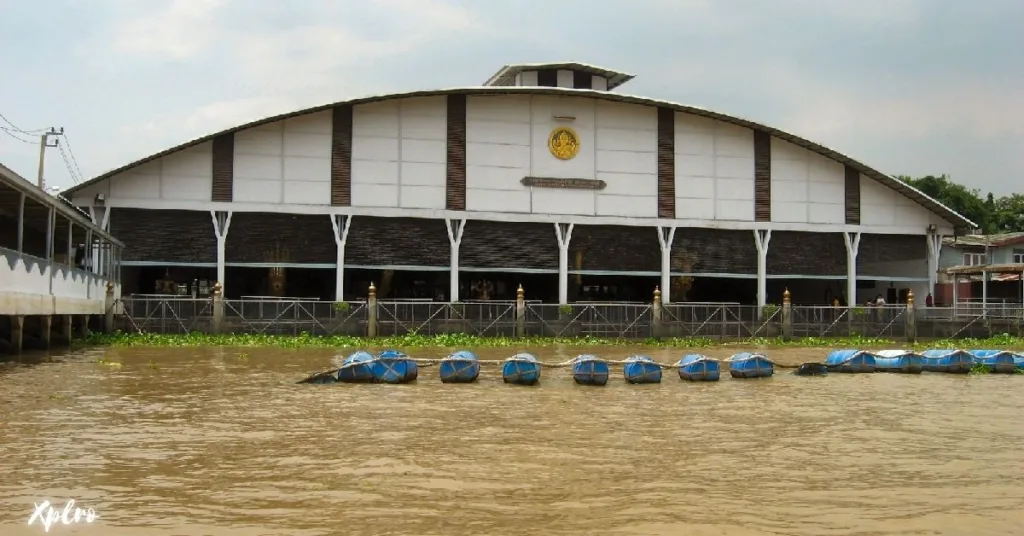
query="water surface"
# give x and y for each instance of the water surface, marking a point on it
(216, 442)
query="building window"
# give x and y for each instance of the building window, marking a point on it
(1018, 257)
(974, 259)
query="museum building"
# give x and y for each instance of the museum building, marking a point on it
(545, 176)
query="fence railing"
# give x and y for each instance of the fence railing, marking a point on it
(174, 314)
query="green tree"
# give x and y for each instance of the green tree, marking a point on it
(957, 197)
(1008, 214)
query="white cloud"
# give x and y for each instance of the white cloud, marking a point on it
(181, 29)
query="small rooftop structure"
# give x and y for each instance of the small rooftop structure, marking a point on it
(570, 74)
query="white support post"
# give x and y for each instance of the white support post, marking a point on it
(564, 235)
(96, 252)
(852, 241)
(761, 240)
(666, 236)
(221, 224)
(341, 224)
(984, 293)
(934, 250)
(455, 228)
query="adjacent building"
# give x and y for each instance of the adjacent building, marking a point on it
(546, 176)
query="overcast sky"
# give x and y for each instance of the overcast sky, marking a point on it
(907, 86)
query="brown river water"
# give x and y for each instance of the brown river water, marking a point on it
(218, 442)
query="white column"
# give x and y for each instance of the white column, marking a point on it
(761, 240)
(221, 224)
(95, 252)
(934, 250)
(341, 224)
(666, 235)
(455, 228)
(984, 293)
(564, 235)
(852, 241)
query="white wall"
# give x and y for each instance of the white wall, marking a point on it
(399, 153)
(881, 206)
(806, 187)
(506, 140)
(285, 162)
(714, 169)
(186, 175)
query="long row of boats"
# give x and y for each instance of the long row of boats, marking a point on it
(950, 361)
(393, 366)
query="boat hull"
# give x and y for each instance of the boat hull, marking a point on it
(522, 369)
(850, 361)
(998, 361)
(590, 371)
(948, 361)
(356, 368)
(641, 370)
(751, 366)
(700, 369)
(460, 367)
(905, 363)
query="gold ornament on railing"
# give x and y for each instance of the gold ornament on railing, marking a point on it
(657, 295)
(910, 298)
(217, 288)
(373, 291)
(520, 293)
(785, 296)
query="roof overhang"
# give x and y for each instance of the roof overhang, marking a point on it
(1009, 268)
(959, 222)
(506, 76)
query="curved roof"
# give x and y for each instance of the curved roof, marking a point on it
(916, 195)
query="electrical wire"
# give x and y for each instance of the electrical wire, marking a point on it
(13, 133)
(20, 130)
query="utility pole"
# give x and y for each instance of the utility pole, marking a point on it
(44, 140)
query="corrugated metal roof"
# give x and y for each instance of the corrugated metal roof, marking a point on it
(1010, 268)
(980, 240)
(948, 214)
(506, 76)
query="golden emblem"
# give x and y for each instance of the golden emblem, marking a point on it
(563, 143)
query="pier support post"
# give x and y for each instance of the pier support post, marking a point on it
(221, 224)
(787, 316)
(455, 228)
(520, 312)
(218, 308)
(45, 327)
(934, 252)
(371, 312)
(83, 326)
(341, 224)
(66, 328)
(17, 333)
(911, 327)
(656, 314)
(108, 309)
(666, 236)
(761, 240)
(564, 235)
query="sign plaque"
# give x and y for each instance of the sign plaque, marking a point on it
(572, 184)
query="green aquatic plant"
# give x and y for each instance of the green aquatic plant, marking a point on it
(979, 369)
(341, 307)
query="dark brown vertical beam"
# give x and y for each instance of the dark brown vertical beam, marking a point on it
(666, 163)
(223, 166)
(582, 80)
(762, 176)
(456, 179)
(852, 196)
(547, 77)
(341, 156)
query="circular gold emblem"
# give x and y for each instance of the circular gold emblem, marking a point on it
(563, 143)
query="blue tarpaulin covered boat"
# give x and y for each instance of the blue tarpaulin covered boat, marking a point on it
(850, 361)
(748, 365)
(590, 370)
(898, 361)
(356, 368)
(953, 361)
(641, 369)
(1000, 361)
(522, 369)
(393, 366)
(459, 367)
(699, 368)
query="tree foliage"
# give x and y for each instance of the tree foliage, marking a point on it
(991, 214)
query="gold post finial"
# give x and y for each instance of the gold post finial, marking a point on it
(785, 296)
(657, 294)
(910, 297)
(520, 293)
(217, 288)
(110, 287)
(373, 290)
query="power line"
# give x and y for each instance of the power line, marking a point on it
(12, 134)
(75, 176)
(78, 168)
(20, 130)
